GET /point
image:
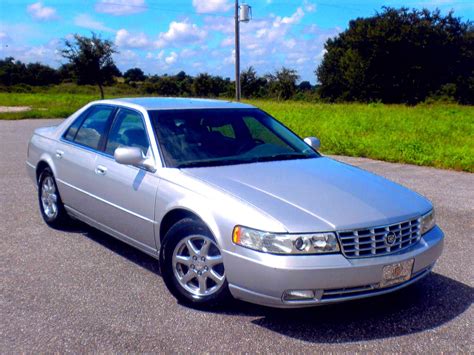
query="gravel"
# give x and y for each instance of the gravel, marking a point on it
(81, 290)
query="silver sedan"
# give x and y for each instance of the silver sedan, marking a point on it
(232, 203)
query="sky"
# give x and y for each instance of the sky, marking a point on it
(167, 36)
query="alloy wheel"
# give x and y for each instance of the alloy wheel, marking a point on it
(49, 197)
(198, 266)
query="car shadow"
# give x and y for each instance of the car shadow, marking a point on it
(425, 305)
(117, 246)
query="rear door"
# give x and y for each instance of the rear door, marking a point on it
(76, 154)
(127, 192)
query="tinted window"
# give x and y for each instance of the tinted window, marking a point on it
(72, 130)
(206, 137)
(94, 127)
(127, 130)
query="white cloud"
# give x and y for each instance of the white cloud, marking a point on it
(309, 6)
(46, 53)
(120, 7)
(293, 19)
(40, 12)
(172, 58)
(4, 38)
(125, 39)
(86, 21)
(230, 59)
(181, 32)
(207, 6)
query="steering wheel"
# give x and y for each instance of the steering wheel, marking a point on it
(249, 145)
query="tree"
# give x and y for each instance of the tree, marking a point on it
(399, 55)
(39, 74)
(202, 85)
(282, 84)
(14, 72)
(91, 59)
(251, 83)
(304, 86)
(134, 75)
(167, 86)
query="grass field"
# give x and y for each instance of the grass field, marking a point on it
(439, 135)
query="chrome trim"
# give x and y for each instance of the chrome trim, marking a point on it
(30, 165)
(371, 241)
(369, 290)
(356, 292)
(107, 202)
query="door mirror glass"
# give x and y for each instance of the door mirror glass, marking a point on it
(313, 142)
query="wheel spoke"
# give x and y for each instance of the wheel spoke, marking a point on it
(188, 277)
(202, 284)
(191, 248)
(53, 198)
(214, 260)
(215, 277)
(205, 248)
(185, 260)
(50, 185)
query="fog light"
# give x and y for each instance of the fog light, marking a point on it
(298, 295)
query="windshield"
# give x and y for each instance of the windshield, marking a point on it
(211, 137)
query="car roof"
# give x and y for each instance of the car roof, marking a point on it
(168, 103)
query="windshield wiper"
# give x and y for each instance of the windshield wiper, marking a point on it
(285, 156)
(219, 162)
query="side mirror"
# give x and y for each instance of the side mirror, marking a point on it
(133, 156)
(313, 142)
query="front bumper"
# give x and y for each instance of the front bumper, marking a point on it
(263, 278)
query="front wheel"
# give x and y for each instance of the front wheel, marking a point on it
(192, 265)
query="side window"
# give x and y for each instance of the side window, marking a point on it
(94, 127)
(226, 130)
(72, 130)
(259, 132)
(127, 130)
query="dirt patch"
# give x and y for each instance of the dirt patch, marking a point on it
(14, 109)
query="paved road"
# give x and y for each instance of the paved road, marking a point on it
(82, 290)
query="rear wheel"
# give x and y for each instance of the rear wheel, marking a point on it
(51, 206)
(192, 265)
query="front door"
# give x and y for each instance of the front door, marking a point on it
(128, 193)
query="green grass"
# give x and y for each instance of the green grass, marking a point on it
(439, 135)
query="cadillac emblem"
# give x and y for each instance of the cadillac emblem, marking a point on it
(390, 239)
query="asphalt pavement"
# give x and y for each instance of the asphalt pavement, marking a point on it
(81, 290)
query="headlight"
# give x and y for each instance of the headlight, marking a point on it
(428, 221)
(314, 243)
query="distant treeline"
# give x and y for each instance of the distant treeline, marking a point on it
(396, 56)
(282, 85)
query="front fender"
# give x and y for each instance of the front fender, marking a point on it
(219, 211)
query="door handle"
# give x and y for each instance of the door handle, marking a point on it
(59, 154)
(100, 170)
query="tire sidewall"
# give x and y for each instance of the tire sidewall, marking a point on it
(179, 231)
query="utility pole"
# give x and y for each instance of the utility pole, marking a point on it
(237, 52)
(245, 15)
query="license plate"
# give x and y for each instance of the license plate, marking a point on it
(396, 273)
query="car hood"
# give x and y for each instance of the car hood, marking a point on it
(320, 194)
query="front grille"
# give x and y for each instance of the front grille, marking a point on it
(373, 241)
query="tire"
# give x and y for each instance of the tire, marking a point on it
(192, 267)
(50, 203)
